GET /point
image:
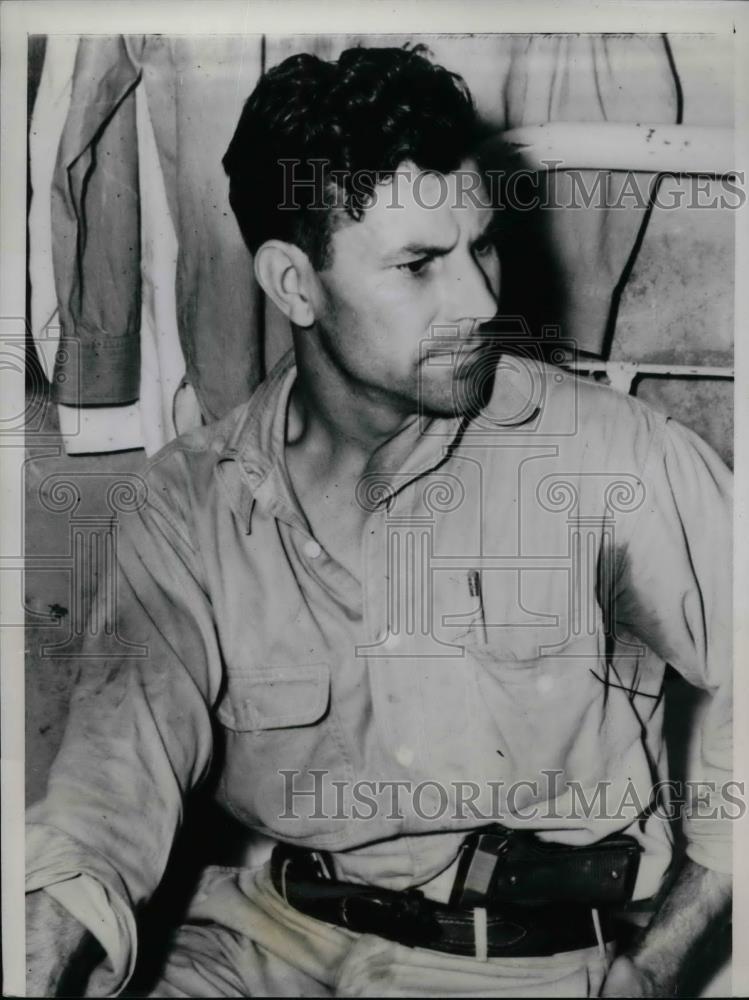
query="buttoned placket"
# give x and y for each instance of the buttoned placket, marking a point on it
(331, 574)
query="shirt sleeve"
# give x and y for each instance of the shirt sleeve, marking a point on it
(674, 592)
(138, 734)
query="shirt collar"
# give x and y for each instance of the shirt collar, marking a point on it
(257, 443)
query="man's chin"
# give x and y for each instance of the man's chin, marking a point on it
(464, 392)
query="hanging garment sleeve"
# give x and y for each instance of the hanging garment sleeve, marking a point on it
(96, 229)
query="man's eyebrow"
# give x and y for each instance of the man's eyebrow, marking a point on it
(420, 250)
(439, 249)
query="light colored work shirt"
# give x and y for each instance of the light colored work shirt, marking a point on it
(525, 576)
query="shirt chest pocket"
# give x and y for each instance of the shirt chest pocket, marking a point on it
(543, 683)
(283, 736)
(278, 697)
(526, 654)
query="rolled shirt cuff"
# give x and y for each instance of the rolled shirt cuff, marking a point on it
(84, 883)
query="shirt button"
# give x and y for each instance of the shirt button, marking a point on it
(545, 684)
(404, 756)
(312, 549)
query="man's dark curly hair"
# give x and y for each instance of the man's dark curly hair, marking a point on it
(361, 117)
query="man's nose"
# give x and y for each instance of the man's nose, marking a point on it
(471, 295)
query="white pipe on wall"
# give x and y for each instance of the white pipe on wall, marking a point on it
(689, 149)
(622, 374)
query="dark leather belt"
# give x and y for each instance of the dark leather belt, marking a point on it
(411, 919)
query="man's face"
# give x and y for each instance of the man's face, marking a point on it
(406, 284)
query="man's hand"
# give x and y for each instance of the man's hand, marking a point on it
(688, 911)
(60, 952)
(624, 979)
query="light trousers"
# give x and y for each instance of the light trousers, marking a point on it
(242, 939)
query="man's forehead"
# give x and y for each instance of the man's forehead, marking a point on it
(417, 207)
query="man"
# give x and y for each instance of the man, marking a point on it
(416, 611)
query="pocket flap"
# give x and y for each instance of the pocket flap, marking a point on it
(521, 644)
(276, 697)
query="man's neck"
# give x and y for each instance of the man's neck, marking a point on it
(341, 424)
(334, 435)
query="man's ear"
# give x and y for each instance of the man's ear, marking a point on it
(284, 273)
